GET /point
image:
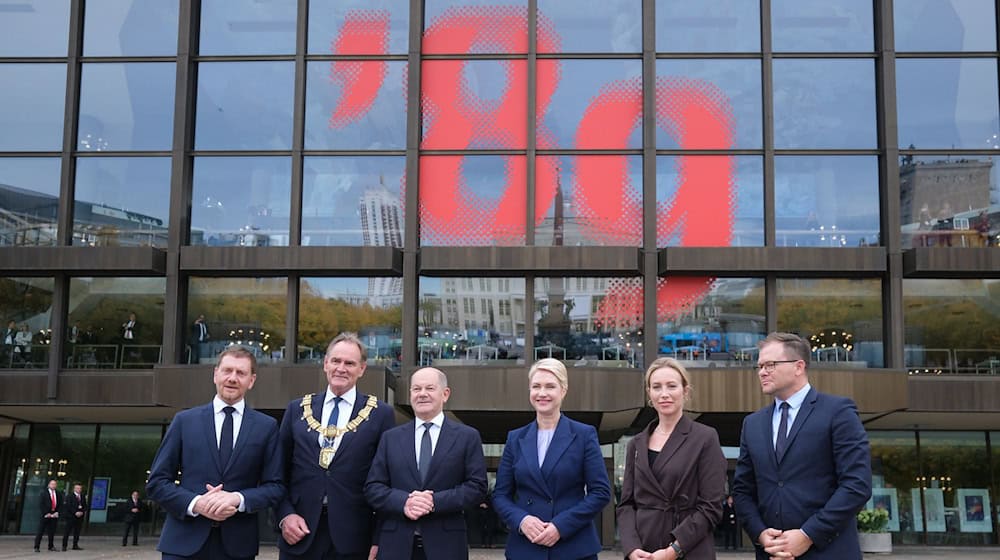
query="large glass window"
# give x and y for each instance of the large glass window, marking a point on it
(244, 105)
(231, 27)
(595, 321)
(944, 25)
(826, 201)
(126, 106)
(115, 322)
(371, 307)
(250, 312)
(952, 326)
(29, 200)
(841, 318)
(19, 452)
(358, 27)
(821, 25)
(63, 452)
(956, 487)
(130, 28)
(592, 25)
(31, 107)
(710, 322)
(708, 26)
(242, 201)
(26, 310)
(121, 201)
(895, 483)
(124, 454)
(340, 116)
(34, 28)
(503, 28)
(949, 201)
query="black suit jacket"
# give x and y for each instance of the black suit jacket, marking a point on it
(72, 505)
(45, 502)
(133, 516)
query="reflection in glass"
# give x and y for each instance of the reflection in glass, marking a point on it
(822, 26)
(250, 312)
(336, 120)
(370, 307)
(592, 25)
(826, 201)
(720, 326)
(242, 201)
(824, 103)
(121, 202)
(130, 28)
(353, 201)
(126, 106)
(56, 448)
(944, 25)
(586, 94)
(26, 310)
(733, 85)
(472, 200)
(115, 322)
(34, 28)
(726, 211)
(124, 453)
(841, 319)
(328, 19)
(589, 321)
(895, 469)
(247, 27)
(244, 106)
(19, 471)
(470, 321)
(947, 103)
(708, 26)
(951, 326)
(589, 200)
(29, 200)
(505, 26)
(949, 201)
(954, 462)
(31, 107)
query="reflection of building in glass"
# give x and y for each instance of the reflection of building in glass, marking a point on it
(27, 217)
(480, 306)
(961, 184)
(382, 226)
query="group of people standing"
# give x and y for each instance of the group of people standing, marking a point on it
(347, 484)
(16, 349)
(54, 506)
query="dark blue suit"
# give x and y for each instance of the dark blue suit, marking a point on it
(457, 475)
(569, 490)
(254, 470)
(350, 521)
(819, 486)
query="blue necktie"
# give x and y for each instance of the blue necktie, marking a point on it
(226, 439)
(782, 441)
(335, 413)
(424, 464)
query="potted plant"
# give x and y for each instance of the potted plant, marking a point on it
(871, 531)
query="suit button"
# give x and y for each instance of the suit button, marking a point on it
(329, 474)
(781, 484)
(550, 502)
(529, 501)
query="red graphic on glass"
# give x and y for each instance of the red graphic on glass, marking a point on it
(365, 32)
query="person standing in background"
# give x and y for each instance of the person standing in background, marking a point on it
(133, 514)
(49, 504)
(74, 508)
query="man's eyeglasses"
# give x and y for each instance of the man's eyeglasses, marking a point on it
(769, 366)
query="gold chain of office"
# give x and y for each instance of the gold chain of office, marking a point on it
(332, 432)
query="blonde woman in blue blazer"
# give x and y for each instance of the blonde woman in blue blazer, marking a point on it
(552, 482)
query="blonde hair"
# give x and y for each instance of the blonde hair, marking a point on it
(553, 366)
(671, 363)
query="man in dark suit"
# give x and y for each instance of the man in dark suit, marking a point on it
(133, 514)
(198, 338)
(327, 443)
(425, 474)
(804, 470)
(49, 503)
(229, 465)
(9, 340)
(74, 507)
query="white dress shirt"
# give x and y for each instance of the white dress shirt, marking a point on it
(218, 405)
(343, 413)
(418, 434)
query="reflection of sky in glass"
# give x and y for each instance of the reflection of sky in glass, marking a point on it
(240, 195)
(140, 185)
(126, 106)
(944, 25)
(822, 26)
(326, 20)
(580, 84)
(29, 195)
(748, 224)
(595, 25)
(381, 126)
(34, 28)
(707, 26)
(130, 28)
(434, 10)
(824, 103)
(739, 81)
(31, 114)
(826, 201)
(38, 175)
(337, 288)
(947, 103)
(333, 188)
(247, 27)
(244, 105)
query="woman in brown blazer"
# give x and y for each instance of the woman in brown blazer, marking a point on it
(675, 477)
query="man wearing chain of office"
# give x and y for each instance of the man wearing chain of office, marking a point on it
(328, 440)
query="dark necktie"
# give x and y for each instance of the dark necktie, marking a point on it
(335, 412)
(782, 441)
(226, 440)
(424, 464)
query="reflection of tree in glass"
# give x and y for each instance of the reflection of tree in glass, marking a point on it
(321, 318)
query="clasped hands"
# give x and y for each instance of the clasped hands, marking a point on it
(662, 554)
(217, 504)
(784, 544)
(419, 504)
(539, 532)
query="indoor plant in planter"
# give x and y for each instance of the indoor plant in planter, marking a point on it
(872, 532)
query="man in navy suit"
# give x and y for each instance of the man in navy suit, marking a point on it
(425, 474)
(327, 443)
(226, 457)
(804, 470)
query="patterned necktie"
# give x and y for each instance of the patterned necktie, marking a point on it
(782, 441)
(424, 464)
(226, 440)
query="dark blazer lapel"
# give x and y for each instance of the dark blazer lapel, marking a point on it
(529, 453)
(808, 404)
(767, 432)
(208, 423)
(561, 440)
(345, 440)
(642, 467)
(446, 440)
(317, 409)
(675, 441)
(246, 428)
